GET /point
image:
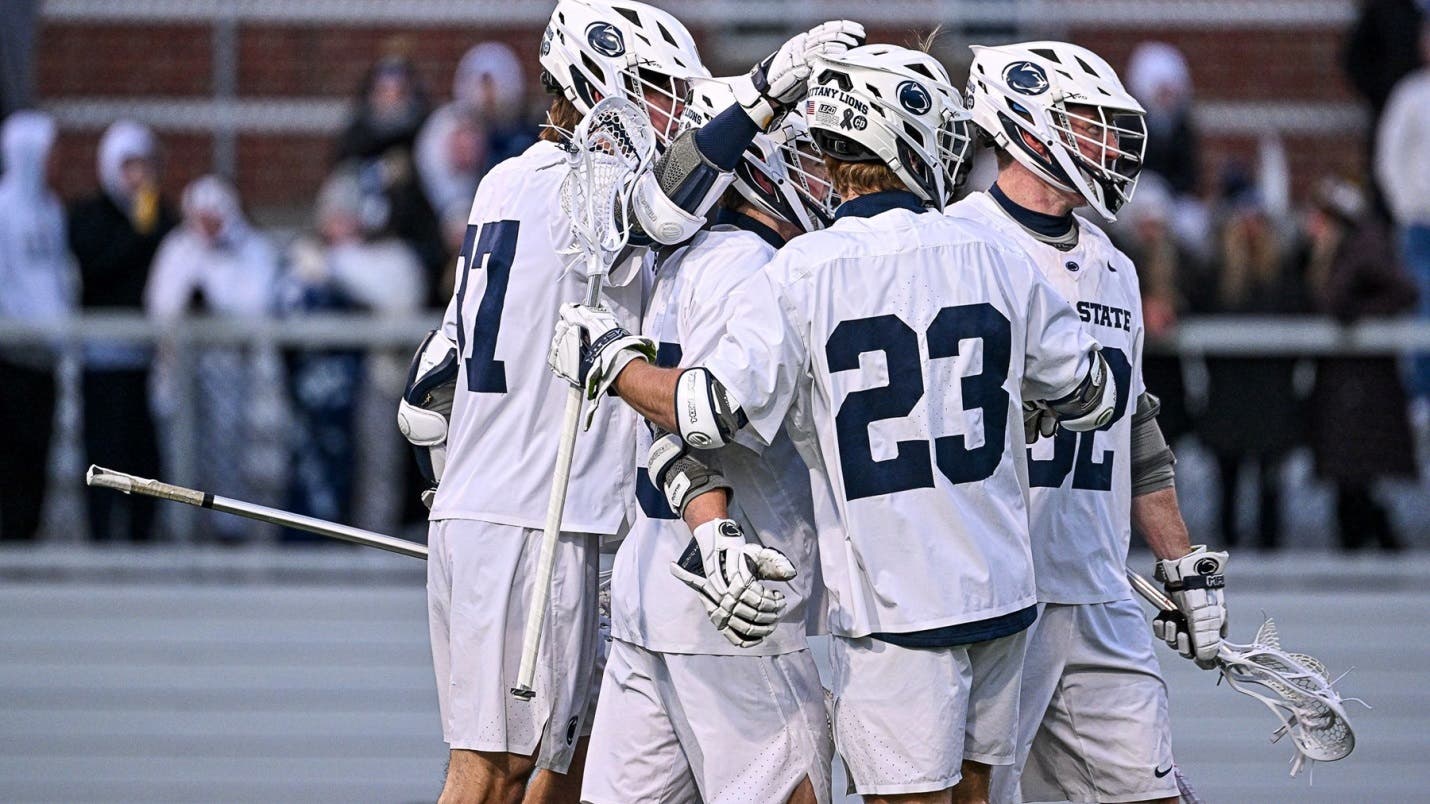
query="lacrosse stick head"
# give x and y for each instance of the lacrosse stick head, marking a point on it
(611, 147)
(1297, 689)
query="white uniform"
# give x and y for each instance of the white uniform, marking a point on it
(902, 345)
(501, 452)
(685, 715)
(1090, 658)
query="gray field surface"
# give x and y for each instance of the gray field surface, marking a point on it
(268, 676)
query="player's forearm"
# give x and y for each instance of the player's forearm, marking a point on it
(1158, 518)
(707, 507)
(650, 391)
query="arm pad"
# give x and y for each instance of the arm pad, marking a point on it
(1152, 459)
(681, 476)
(704, 413)
(426, 403)
(1092, 403)
(670, 202)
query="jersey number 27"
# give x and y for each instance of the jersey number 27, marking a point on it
(493, 250)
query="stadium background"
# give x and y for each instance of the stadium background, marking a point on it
(190, 672)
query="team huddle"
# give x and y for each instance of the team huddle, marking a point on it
(805, 378)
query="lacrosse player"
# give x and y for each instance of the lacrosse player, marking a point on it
(675, 690)
(900, 344)
(486, 418)
(1093, 712)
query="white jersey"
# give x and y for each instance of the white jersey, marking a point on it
(512, 280)
(1082, 482)
(649, 606)
(902, 346)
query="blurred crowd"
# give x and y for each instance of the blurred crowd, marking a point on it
(386, 226)
(389, 220)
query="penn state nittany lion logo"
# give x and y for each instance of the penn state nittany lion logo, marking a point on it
(914, 97)
(1026, 77)
(606, 39)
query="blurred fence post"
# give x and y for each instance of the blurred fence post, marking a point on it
(225, 91)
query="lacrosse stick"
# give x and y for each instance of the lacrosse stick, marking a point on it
(102, 478)
(1295, 687)
(613, 144)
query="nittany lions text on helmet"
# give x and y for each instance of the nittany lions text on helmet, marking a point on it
(891, 105)
(1068, 100)
(595, 49)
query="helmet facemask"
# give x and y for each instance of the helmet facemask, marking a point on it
(955, 145)
(1105, 146)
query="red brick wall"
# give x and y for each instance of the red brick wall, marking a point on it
(119, 61)
(123, 60)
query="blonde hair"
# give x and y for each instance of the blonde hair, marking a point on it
(861, 178)
(561, 119)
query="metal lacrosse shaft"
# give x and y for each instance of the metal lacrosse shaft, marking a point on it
(1150, 592)
(102, 478)
(555, 507)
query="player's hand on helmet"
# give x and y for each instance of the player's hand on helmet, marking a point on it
(729, 574)
(590, 347)
(779, 80)
(1195, 583)
(1038, 421)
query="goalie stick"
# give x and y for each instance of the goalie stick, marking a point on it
(101, 478)
(1295, 687)
(612, 145)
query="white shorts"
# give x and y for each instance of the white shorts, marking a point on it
(1094, 725)
(676, 727)
(906, 718)
(479, 582)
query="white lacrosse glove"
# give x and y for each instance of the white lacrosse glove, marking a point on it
(729, 574)
(1194, 582)
(778, 82)
(1038, 421)
(589, 348)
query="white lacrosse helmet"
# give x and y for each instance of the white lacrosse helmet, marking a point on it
(595, 49)
(883, 103)
(780, 172)
(1067, 98)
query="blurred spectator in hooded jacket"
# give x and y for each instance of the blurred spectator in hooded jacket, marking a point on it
(1382, 47)
(1166, 273)
(37, 285)
(485, 124)
(1402, 164)
(114, 236)
(378, 147)
(1360, 432)
(351, 267)
(1157, 75)
(215, 264)
(1252, 410)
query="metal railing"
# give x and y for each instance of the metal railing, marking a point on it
(184, 340)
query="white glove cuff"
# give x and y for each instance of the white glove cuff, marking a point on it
(1198, 569)
(757, 106)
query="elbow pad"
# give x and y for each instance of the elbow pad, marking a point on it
(670, 202)
(1152, 458)
(426, 404)
(1092, 403)
(680, 476)
(704, 413)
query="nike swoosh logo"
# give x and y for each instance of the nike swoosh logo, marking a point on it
(1160, 773)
